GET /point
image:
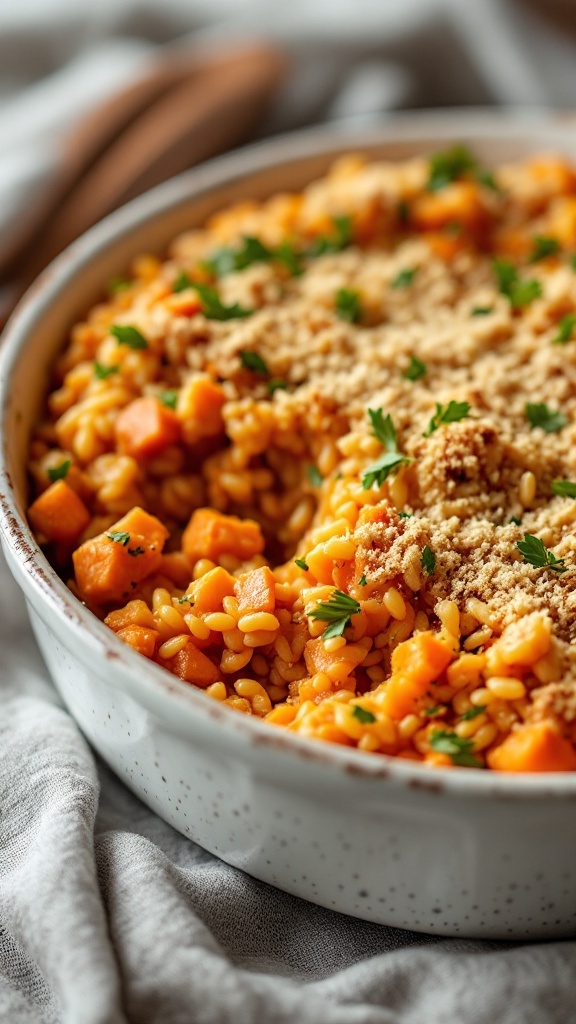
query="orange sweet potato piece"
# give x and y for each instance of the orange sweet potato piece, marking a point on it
(210, 534)
(106, 569)
(459, 202)
(145, 427)
(204, 401)
(402, 694)
(141, 638)
(193, 666)
(534, 747)
(135, 613)
(423, 657)
(256, 591)
(210, 590)
(59, 514)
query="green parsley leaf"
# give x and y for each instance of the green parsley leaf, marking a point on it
(60, 472)
(213, 307)
(430, 712)
(227, 259)
(130, 336)
(487, 179)
(136, 551)
(340, 239)
(348, 305)
(168, 398)
(362, 715)
(362, 581)
(416, 369)
(515, 520)
(276, 385)
(549, 420)
(384, 430)
(314, 476)
(406, 515)
(337, 611)
(519, 292)
(564, 488)
(565, 329)
(290, 258)
(451, 413)
(102, 372)
(405, 278)
(543, 247)
(301, 564)
(535, 553)
(185, 599)
(482, 310)
(428, 560)
(119, 284)
(181, 282)
(122, 538)
(473, 712)
(448, 166)
(459, 750)
(253, 362)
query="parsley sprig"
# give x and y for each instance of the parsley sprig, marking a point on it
(253, 361)
(337, 611)
(454, 163)
(102, 372)
(534, 551)
(543, 247)
(428, 560)
(565, 329)
(563, 488)
(125, 334)
(404, 278)
(458, 749)
(59, 472)
(362, 715)
(451, 413)
(519, 291)
(213, 307)
(384, 429)
(121, 537)
(348, 305)
(549, 420)
(340, 238)
(415, 370)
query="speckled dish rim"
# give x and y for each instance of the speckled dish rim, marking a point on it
(173, 701)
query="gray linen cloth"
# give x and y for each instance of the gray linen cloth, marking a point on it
(107, 915)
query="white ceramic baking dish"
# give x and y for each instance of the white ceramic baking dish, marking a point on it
(451, 852)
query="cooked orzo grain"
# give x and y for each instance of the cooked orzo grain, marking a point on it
(321, 461)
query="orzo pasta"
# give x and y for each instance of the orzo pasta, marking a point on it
(321, 461)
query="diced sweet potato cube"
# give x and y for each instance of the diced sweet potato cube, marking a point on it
(59, 514)
(193, 666)
(135, 613)
(200, 408)
(459, 202)
(210, 534)
(423, 657)
(145, 427)
(141, 638)
(534, 747)
(108, 566)
(256, 591)
(210, 590)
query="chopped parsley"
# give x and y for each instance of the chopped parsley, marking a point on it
(415, 370)
(534, 551)
(348, 305)
(340, 238)
(362, 715)
(549, 420)
(253, 362)
(314, 476)
(405, 278)
(473, 712)
(482, 310)
(301, 564)
(227, 259)
(458, 749)
(127, 335)
(431, 712)
(448, 166)
(213, 307)
(290, 258)
(168, 398)
(515, 520)
(565, 329)
(60, 472)
(136, 551)
(337, 611)
(385, 431)
(181, 282)
(362, 581)
(451, 413)
(185, 599)
(543, 247)
(564, 488)
(428, 560)
(102, 372)
(406, 515)
(122, 538)
(276, 385)
(519, 292)
(118, 284)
